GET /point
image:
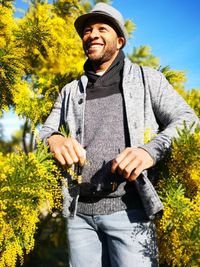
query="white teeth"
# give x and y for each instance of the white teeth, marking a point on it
(95, 45)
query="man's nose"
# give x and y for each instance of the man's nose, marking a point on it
(94, 33)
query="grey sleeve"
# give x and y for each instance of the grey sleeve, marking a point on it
(53, 122)
(171, 112)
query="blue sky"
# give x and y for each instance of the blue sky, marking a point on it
(170, 27)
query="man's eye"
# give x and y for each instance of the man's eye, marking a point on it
(86, 31)
(102, 29)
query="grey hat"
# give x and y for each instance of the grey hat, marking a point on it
(105, 11)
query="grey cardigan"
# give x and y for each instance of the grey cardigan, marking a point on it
(149, 105)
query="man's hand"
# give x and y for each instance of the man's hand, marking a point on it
(67, 150)
(131, 162)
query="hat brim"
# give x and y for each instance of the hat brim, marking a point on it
(81, 21)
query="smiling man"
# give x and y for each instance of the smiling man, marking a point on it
(110, 214)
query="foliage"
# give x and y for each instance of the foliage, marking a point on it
(50, 243)
(27, 186)
(192, 97)
(39, 54)
(11, 57)
(53, 52)
(178, 230)
(6, 3)
(143, 56)
(175, 77)
(130, 27)
(7, 146)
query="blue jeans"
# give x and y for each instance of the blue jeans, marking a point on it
(121, 239)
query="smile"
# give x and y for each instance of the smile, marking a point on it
(95, 46)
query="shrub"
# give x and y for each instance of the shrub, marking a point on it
(28, 184)
(178, 230)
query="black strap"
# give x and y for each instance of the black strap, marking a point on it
(143, 79)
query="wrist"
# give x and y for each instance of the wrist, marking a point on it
(53, 136)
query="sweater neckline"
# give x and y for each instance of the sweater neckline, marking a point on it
(116, 67)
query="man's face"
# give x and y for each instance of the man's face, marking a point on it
(100, 41)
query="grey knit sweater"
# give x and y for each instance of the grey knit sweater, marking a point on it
(105, 135)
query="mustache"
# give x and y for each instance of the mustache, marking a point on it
(88, 43)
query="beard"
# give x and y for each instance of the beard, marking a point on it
(107, 53)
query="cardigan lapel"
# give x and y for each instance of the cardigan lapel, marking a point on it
(133, 89)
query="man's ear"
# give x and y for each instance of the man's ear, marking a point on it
(120, 42)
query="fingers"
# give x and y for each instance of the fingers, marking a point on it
(118, 160)
(60, 158)
(72, 152)
(67, 150)
(131, 169)
(131, 162)
(80, 152)
(135, 173)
